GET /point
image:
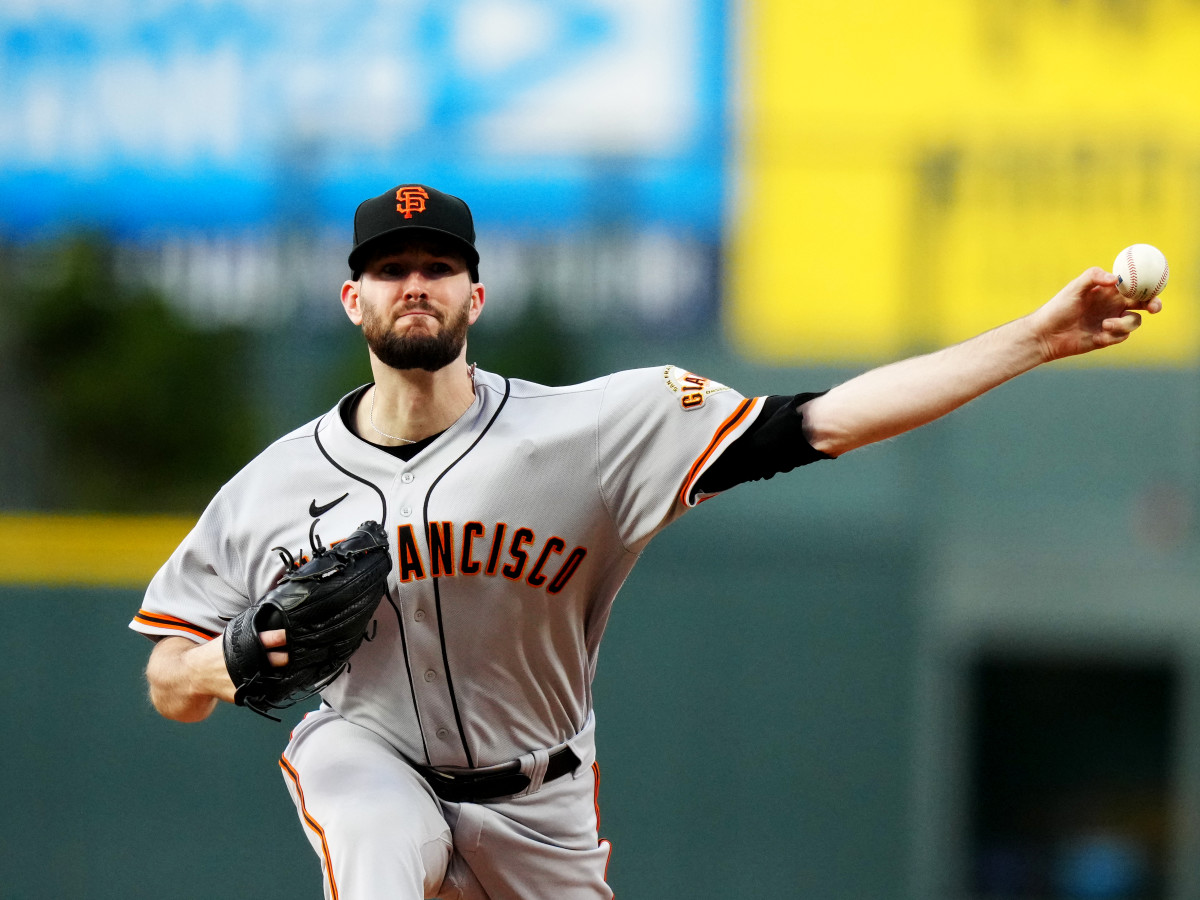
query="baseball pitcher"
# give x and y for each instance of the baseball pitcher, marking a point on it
(437, 557)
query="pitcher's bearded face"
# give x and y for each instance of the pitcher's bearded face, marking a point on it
(417, 302)
(417, 335)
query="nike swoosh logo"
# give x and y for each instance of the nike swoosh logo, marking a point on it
(314, 510)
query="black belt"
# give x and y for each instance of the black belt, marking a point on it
(493, 784)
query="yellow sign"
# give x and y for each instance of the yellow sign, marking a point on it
(917, 173)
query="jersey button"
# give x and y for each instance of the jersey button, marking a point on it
(442, 733)
(419, 615)
(406, 511)
(430, 674)
(407, 477)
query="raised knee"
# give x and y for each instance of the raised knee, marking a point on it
(373, 832)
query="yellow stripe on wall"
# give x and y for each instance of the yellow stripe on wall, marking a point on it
(91, 551)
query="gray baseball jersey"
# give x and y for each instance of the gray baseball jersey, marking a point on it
(511, 535)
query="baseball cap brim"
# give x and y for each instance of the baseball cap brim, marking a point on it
(364, 251)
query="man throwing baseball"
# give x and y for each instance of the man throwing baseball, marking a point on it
(454, 756)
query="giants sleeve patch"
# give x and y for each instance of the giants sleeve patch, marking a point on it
(692, 389)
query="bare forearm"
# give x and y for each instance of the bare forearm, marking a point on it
(896, 398)
(1088, 314)
(186, 679)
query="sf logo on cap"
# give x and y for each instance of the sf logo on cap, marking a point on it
(411, 199)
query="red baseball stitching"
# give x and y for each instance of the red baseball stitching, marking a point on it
(1162, 282)
(1132, 273)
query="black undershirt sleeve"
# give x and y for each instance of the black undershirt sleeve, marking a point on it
(774, 443)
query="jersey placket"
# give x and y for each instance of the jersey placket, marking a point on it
(418, 600)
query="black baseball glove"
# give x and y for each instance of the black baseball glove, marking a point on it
(325, 605)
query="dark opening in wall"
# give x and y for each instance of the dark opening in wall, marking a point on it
(1069, 787)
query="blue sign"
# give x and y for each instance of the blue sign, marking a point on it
(166, 115)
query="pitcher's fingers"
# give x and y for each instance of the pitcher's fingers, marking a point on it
(276, 637)
(1095, 275)
(1122, 325)
(277, 659)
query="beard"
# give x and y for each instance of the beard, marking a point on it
(417, 351)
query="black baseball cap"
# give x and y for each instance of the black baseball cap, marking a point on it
(412, 209)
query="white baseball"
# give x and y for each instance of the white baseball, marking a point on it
(1141, 272)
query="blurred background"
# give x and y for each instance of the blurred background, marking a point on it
(965, 664)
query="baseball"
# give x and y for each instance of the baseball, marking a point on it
(1141, 272)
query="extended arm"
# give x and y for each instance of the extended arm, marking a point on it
(1087, 314)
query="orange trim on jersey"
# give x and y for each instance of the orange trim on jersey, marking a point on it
(600, 842)
(162, 620)
(312, 823)
(739, 415)
(596, 794)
